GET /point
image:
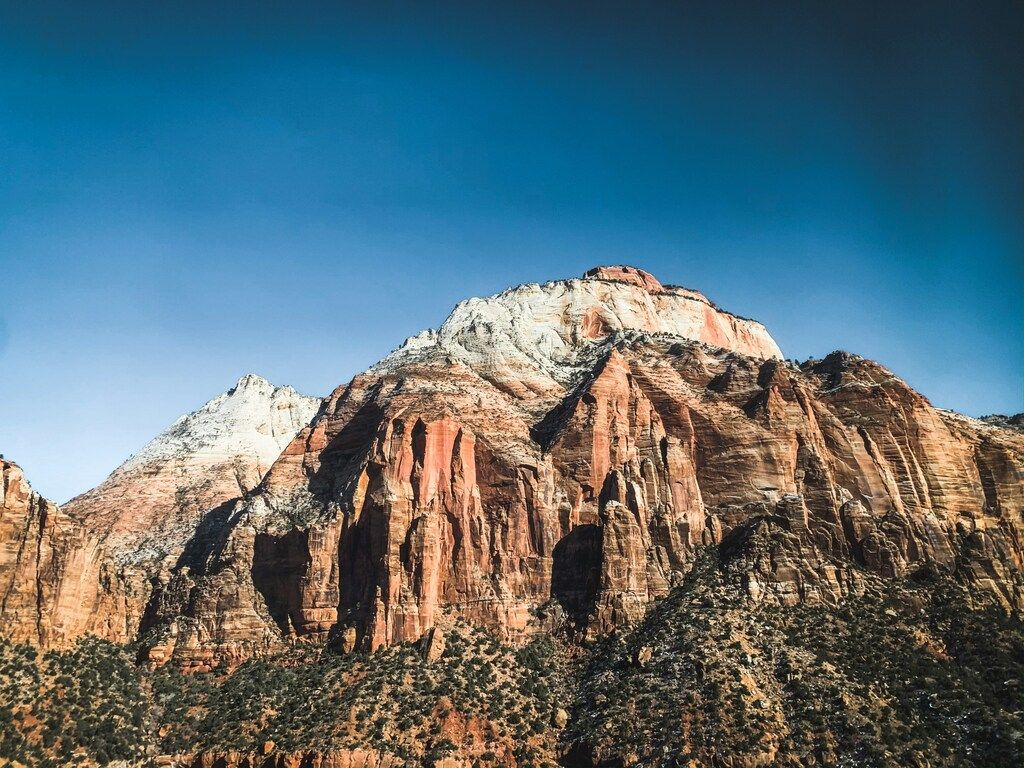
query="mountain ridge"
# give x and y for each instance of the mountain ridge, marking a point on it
(549, 384)
(424, 486)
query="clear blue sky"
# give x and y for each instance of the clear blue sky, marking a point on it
(190, 194)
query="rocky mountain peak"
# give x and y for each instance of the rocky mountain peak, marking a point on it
(254, 416)
(253, 381)
(216, 453)
(96, 555)
(626, 274)
(587, 456)
(13, 484)
(536, 337)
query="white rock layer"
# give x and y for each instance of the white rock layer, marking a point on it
(149, 504)
(544, 329)
(253, 418)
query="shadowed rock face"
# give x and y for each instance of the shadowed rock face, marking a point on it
(560, 453)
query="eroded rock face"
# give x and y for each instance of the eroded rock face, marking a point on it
(24, 519)
(151, 504)
(534, 340)
(516, 468)
(90, 566)
(55, 582)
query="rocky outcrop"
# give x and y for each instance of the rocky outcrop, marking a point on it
(25, 517)
(555, 454)
(1016, 421)
(151, 504)
(560, 453)
(534, 340)
(90, 566)
(55, 582)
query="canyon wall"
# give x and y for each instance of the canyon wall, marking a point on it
(91, 565)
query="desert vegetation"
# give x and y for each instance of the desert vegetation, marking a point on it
(911, 673)
(908, 673)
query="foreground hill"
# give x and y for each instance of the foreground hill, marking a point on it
(909, 673)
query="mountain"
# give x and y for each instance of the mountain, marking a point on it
(590, 522)
(535, 340)
(559, 453)
(93, 561)
(42, 551)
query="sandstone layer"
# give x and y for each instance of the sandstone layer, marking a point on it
(150, 505)
(558, 453)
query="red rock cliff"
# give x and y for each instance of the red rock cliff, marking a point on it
(457, 476)
(90, 566)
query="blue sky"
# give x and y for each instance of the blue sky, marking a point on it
(190, 194)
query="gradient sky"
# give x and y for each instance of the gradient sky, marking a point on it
(193, 193)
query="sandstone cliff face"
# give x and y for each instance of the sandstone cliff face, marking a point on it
(348, 758)
(89, 566)
(55, 582)
(553, 455)
(558, 453)
(26, 519)
(533, 341)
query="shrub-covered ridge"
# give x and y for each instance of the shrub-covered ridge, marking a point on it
(908, 673)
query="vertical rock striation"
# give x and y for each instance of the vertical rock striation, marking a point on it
(90, 566)
(56, 583)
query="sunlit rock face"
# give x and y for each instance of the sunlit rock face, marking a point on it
(536, 340)
(27, 527)
(558, 453)
(56, 584)
(150, 505)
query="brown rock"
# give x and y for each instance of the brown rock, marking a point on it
(88, 567)
(433, 645)
(429, 486)
(625, 274)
